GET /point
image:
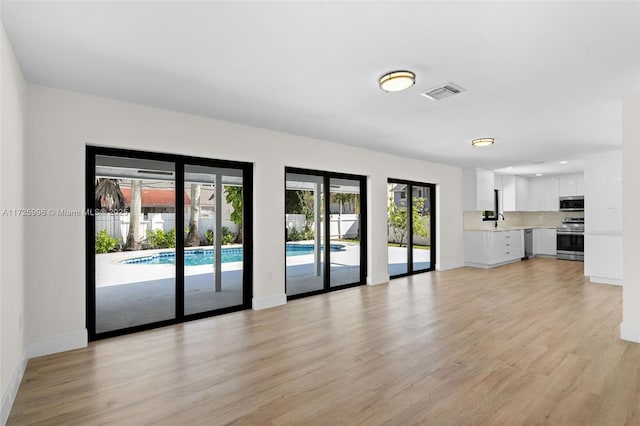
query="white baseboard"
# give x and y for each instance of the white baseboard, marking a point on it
(9, 396)
(630, 333)
(258, 303)
(447, 266)
(605, 280)
(62, 343)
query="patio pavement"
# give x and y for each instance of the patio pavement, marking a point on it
(134, 294)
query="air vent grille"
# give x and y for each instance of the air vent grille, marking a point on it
(443, 91)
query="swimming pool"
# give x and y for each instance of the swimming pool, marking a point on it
(197, 257)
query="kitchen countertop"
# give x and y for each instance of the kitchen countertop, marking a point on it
(510, 228)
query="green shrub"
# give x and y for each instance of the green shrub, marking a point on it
(227, 236)
(295, 235)
(209, 236)
(105, 243)
(157, 239)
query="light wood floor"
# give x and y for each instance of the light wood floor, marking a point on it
(527, 343)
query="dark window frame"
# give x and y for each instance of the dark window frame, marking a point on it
(179, 162)
(326, 178)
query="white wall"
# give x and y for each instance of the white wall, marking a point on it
(12, 283)
(61, 123)
(630, 327)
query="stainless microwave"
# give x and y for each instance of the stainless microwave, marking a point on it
(572, 204)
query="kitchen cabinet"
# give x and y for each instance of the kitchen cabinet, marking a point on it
(487, 249)
(536, 195)
(551, 195)
(515, 193)
(543, 194)
(603, 218)
(571, 185)
(478, 189)
(603, 258)
(545, 242)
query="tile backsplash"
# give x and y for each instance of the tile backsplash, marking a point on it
(473, 219)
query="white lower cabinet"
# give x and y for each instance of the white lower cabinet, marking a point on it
(603, 258)
(545, 242)
(486, 249)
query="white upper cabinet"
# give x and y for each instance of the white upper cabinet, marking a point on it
(536, 195)
(603, 193)
(580, 184)
(478, 189)
(543, 194)
(571, 185)
(515, 193)
(551, 194)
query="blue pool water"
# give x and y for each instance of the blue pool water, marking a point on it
(198, 257)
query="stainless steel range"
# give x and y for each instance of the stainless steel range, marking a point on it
(571, 239)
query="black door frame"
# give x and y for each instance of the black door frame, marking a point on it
(326, 178)
(179, 161)
(432, 229)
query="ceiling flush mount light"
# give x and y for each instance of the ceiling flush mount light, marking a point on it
(483, 142)
(564, 162)
(396, 81)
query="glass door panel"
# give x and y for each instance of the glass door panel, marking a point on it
(135, 271)
(304, 226)
(213, 239)
(344, 251)
(397, 225)
(421, 238)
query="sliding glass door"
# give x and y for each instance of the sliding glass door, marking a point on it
(325, 228)
(144, 206)
(135, 270)
(304, 228)
(213, 246)
(411, 227)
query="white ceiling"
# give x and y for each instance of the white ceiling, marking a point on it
(545, 79)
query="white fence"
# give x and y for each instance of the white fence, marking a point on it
(341, 226)
(117, 225)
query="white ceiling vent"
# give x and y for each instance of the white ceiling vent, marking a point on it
(443, 91)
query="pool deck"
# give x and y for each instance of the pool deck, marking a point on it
(111, 271)
(138, 293)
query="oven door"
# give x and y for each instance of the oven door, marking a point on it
(570, 245)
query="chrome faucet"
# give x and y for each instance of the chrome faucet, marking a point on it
(495, 224)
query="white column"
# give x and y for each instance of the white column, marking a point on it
(317, 199)
(218, 238)
(630, 327)
(377, 255)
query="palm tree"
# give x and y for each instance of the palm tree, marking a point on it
(108, 194)
(193, 239)
(134, 236)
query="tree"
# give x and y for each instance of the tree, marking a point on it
(306, 203)
(399, 220)
(343, 198)
(134, 236)
(108, 195)
(193, 239)
(233, 196)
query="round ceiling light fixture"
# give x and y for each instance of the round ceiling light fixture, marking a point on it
(396, 81)
(483, 142)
